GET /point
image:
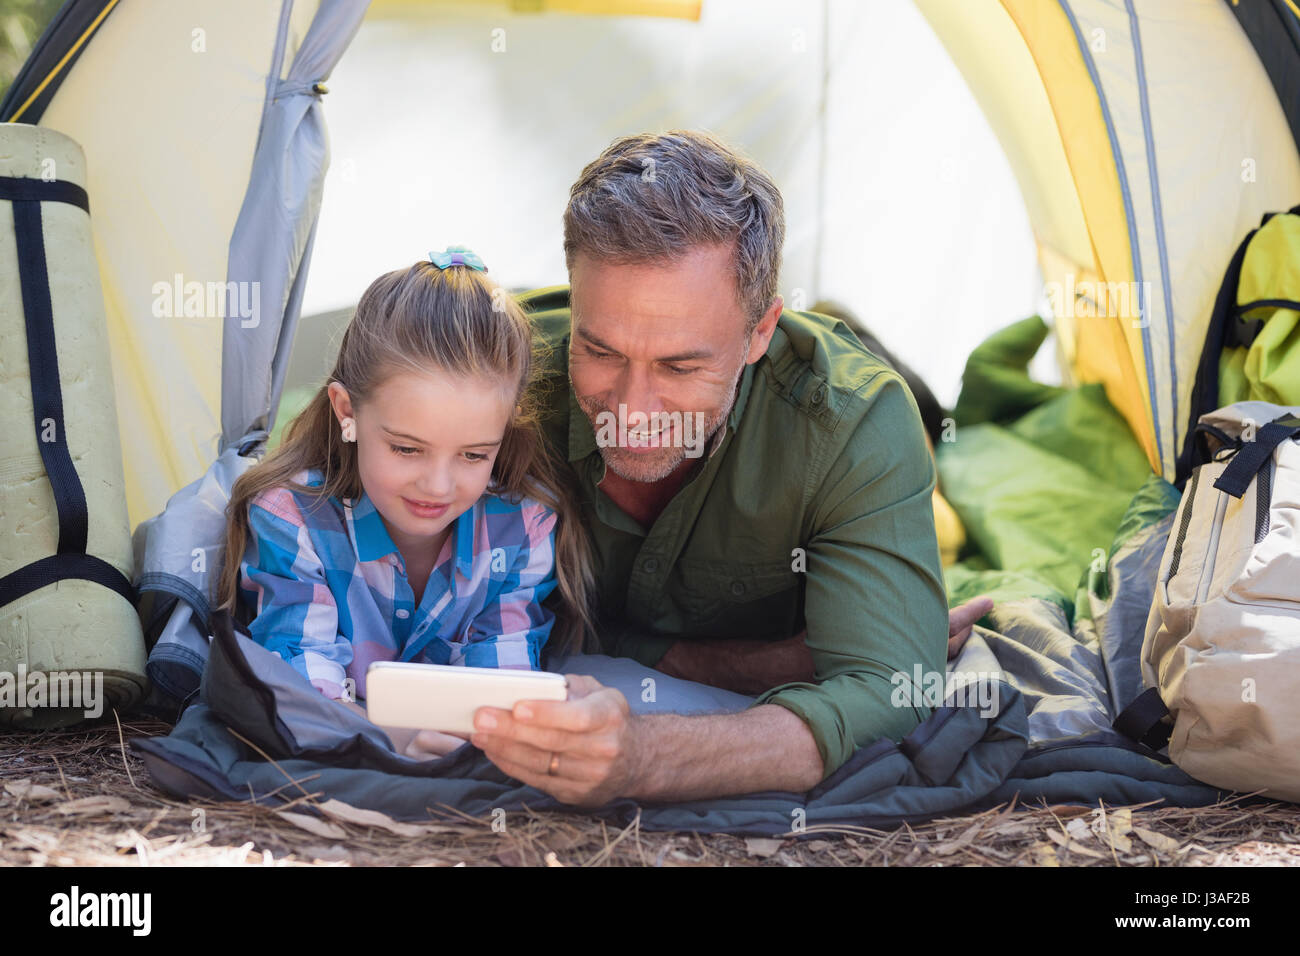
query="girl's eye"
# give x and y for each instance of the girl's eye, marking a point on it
(475, 456)
(403, 450)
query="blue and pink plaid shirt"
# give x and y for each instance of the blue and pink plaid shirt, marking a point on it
(330, 593)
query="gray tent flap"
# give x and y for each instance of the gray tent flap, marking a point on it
(179, 554)
(271, 245)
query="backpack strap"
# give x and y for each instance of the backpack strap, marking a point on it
(1144, 720)
(1252, 455)
(1225, 329)
(1205, 388)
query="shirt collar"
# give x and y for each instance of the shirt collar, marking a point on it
(582, 436)
(373, 541)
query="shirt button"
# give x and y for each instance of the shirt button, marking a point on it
(403, 612)
(738, 588)
(818, 395)
(650, 565)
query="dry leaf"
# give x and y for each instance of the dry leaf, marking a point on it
(952, 846)
(90, 806)
(1010, 829)
(369, 818)
(34, 839)
(1066, 811)
(1120, 821)
(761, 846)
(31, 792)
(1113, 828)
(313, 824)
(1157, 841)
(1078, 829)
(1073, 846)
(324, 854)
(1044, 855)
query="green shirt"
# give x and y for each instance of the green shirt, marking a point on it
(812, 509)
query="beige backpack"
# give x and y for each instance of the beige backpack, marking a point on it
(1221, 657)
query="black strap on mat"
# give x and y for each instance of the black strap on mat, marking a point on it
(71, 561)
(57, 567)
(1144, 720)
(1251, 457)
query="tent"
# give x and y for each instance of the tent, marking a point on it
(1147, 136)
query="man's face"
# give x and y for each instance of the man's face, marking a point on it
(667, 342)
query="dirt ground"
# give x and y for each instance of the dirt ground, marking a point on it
(77, 798)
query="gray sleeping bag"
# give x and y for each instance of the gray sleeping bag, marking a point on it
(1055, 688)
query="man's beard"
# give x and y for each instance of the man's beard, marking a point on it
(659, 463)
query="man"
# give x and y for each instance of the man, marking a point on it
(756, 484)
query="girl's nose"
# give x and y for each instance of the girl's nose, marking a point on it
(437, 484)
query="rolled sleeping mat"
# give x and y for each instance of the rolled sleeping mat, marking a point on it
(71, 644)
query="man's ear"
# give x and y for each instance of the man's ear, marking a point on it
(764, 331)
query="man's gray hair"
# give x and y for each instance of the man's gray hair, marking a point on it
(648, 198)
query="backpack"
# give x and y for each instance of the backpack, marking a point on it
(1221, 654)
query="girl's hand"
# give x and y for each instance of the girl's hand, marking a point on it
(417, 744)
(427, 744)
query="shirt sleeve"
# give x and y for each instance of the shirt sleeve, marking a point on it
(875, 604)
(513, 627)
(284, 580)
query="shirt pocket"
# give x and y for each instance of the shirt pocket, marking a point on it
(740, 600)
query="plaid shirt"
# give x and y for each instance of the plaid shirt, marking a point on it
(330, 593)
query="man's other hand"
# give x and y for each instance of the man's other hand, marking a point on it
(752, 667)
(961, 621)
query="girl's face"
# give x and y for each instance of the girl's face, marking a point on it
(425, 449)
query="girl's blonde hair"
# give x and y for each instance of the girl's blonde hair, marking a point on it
(454, 321)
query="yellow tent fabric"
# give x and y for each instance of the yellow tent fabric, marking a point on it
(1135, 130)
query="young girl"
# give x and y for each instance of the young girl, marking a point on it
(412, 512)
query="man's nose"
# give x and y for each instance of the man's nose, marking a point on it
(636, 388)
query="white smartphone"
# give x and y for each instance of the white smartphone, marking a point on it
(442, 697)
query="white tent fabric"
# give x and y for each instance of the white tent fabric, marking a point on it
(910, 216)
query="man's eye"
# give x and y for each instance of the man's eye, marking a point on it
(404, 450)
(679, 370)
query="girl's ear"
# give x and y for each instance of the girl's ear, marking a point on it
(340, 401)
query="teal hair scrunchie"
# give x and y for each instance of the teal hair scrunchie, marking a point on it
(457, 256)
